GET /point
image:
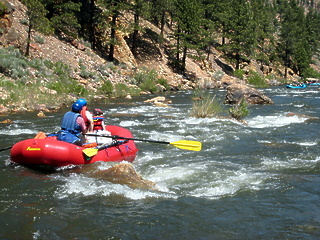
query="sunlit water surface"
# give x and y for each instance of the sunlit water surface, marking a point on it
(254, 181)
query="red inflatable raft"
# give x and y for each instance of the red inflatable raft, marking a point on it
(51, 152)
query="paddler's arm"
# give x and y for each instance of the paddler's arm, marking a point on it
(83, 127)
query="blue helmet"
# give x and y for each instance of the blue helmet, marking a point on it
(76, 107)
(82, 102)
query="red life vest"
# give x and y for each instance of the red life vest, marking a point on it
(84, 116)
(97, 122)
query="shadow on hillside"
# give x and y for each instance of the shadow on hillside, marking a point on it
(147, 45)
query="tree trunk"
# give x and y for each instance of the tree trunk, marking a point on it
(28, 40)
(93, 25)
(162, 23)
(135, 35)
(237, 60)
(113, 38)
(184, 58)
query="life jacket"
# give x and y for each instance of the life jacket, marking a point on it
(69, 123)
(97, 122)
(70, 129)
(84, 116)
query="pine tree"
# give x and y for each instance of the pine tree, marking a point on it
(240, 32)
(189, 20)
(63, 15)
(159, 11)
(293, 47)
(138, 8)
(37, 20)
(264, 26)
(107, 21)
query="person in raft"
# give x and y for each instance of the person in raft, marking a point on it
(86, 115)
(73, 128)
(98, 123)
(99, 128)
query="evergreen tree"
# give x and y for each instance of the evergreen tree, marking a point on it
(313, 29)
(211, 24)
(221, 15)
(240, 32)
(107, 21)
(293, 47)
(189, 20)
(37, 20)
(264, 26)
(63, 15)
(138, 8)
(159, 10)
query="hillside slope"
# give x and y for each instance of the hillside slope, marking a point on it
(75, 54)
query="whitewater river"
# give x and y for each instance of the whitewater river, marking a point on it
(254, 181)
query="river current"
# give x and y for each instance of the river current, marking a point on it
(254, 181)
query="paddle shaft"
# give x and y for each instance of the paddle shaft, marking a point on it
(7, 148)
(134, 139)
(183, 144)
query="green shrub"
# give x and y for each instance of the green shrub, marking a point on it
(240, 110)
(3, 8)
(239, 73)
(148, 85)
(148, 80)
(163, 82)
(311, 73)
(72, 86)
(257, 80)
(13, 64)
(39, 39)
(85, 73)
(218, 75)
(121, 90)
(107, 88)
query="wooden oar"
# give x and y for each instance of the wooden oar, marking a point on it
(183, 144)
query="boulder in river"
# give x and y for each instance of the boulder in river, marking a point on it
(7, 121)
(300, 115)
(236, 92)
(122, 173)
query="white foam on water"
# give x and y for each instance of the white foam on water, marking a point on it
(306, 143)
(79, 186)
(169, 173)
(273, 121)
(131, 123)
(299, 105)
(18, 131)
(277, 163)
(231, 184)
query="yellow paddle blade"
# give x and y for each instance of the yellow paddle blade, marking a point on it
(188, 145)
(90, 152)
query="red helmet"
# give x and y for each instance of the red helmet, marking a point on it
(97, 111)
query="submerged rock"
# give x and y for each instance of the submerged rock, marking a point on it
(300, 115)
(122, 173)
(159, 101)
(8, 121)
(41, 114)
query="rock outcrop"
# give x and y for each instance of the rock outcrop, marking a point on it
(236, 92)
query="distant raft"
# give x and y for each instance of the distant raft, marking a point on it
(297, 86)
(48, 151)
